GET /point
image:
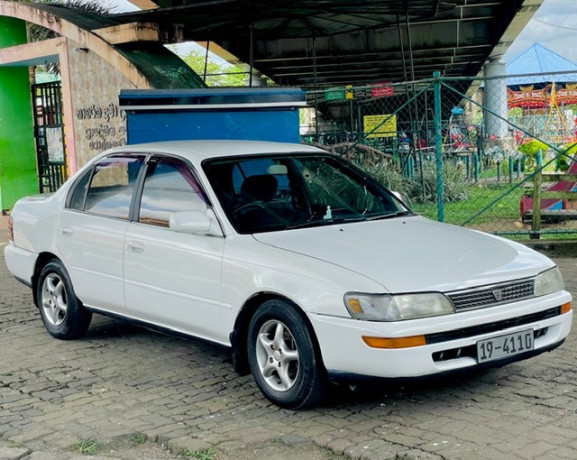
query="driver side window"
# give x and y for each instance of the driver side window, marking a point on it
(169, 187)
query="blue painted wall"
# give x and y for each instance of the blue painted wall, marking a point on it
(252, 114)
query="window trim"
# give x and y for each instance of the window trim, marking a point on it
(154, 158)
(139, 184)
(72, 191)
(91, 171)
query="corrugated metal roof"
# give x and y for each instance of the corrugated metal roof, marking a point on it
(538, 64)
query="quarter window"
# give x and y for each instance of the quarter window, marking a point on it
(79, 192)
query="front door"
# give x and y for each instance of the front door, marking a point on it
(173, 279)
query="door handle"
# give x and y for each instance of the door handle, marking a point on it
(67, 231)
(135, 246)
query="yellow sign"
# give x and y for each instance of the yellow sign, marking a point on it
(380, 125)
(349, 92)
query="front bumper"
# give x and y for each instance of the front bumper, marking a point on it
(451, 341)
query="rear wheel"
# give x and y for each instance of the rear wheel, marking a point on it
(283, 358)
(63, 314)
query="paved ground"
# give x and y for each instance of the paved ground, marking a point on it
(125, 392)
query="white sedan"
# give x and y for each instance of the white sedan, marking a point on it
(309, 270)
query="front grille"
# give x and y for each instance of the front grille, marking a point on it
(492, 295)
(492, 327)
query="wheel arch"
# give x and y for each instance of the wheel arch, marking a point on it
(43, 259)
(239, 335)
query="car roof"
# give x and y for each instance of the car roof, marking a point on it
(199, 150)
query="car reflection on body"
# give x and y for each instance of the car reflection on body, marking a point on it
(309, 270)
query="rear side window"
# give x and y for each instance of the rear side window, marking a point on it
(108, 189)
(169, 187)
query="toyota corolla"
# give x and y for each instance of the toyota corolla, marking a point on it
(305, 267)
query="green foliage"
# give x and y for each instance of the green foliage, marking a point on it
(530, 150)
(207, 454)
(455, 186)
(563, 154)
(566, 155)
(138, 438)
(389, 176)
(533, 147)
(87, 447)
(504, 209)
(413, 190)
(217, 74)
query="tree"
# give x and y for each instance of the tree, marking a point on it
(217, 74)
(530, 150)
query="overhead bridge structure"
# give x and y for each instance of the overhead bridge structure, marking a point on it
(310, 43)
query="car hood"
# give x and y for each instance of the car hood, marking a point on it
(413, 253)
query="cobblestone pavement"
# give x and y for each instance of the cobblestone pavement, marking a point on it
(125, 392)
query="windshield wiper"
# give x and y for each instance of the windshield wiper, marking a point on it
(391, 215)
(346, 220)
(321, 222)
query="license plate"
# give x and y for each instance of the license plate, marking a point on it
(504, 346)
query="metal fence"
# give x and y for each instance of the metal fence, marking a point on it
(474, 152)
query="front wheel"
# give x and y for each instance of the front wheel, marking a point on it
(63, 314)
(283, 358)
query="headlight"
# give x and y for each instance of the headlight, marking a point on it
(385, 307)
(549, 282)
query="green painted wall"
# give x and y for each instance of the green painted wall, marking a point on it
(18, 175)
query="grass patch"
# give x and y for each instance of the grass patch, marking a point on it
(138, 439)
(207, 454)
(479, 197)
(87, 447)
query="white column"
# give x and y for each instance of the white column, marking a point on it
(495, 99)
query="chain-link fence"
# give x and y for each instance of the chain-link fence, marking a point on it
(500, 156)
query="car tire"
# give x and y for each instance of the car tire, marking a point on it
(283, 358)
(63, 314)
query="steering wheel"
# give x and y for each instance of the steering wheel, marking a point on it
(247, 207)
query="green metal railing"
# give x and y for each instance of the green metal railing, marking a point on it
(447, 172)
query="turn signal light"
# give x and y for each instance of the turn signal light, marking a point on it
(566, 308)
(397, 342)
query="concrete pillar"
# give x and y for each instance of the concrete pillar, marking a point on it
(496, 99)
(18, 176)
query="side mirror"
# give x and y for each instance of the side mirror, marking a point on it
(192, 222)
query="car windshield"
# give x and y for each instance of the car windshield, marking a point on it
(277, 192)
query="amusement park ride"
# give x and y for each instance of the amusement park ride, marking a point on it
(559, 200)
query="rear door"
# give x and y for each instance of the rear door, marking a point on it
(93, 227)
